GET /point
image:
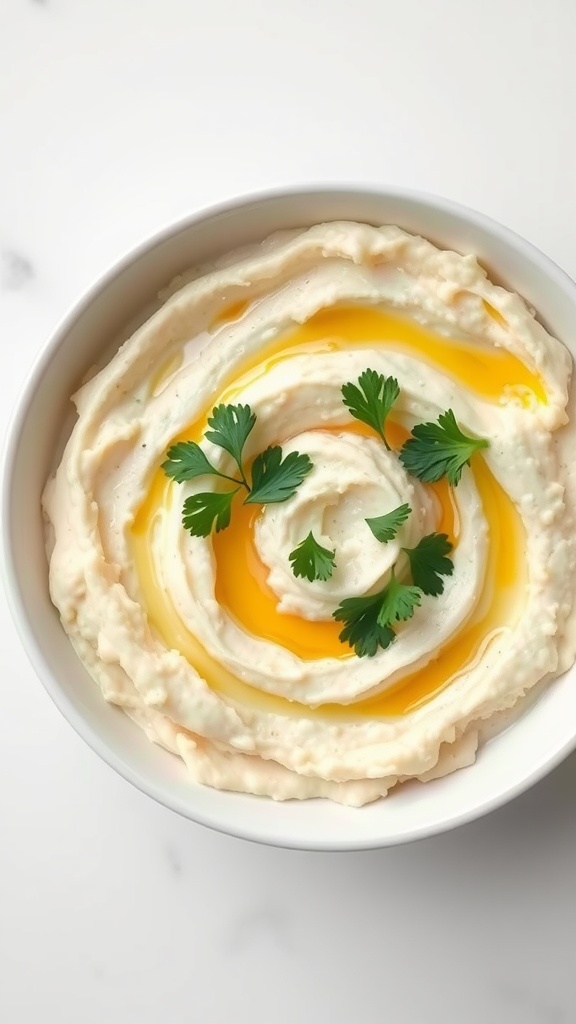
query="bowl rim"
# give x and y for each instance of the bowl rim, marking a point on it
(17, 418)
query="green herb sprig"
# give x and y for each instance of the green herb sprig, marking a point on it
(369, 620)
(386, 527)
(273, 478)
(439, 449)
(312, 561)
(435, 450)
(371, 399)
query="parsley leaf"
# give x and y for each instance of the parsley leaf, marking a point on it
(369, 620)
(202, 511)
(371, 399)
(397, 602)
(274, 480)
(186, 460)
(428, 562)
(386, 527)
(362, 630)
(311, 560)
(439, 449)
(231, 425)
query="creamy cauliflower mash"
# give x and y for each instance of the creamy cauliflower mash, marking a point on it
(213, 644)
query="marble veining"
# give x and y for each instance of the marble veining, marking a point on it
(260, 924)
(173, 860)
(16, 270)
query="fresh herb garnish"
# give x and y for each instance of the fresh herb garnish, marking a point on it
(202, 511)
(433, 451)
(428, 562)
(386, 527)
(231, 425)
(398, 601)
(371, 399)
(362, 630)
(274, 479)
(439, 449)
(186, 460)
(369, 620)
(311, 560)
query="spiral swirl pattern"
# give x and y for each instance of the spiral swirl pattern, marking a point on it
(213, 645)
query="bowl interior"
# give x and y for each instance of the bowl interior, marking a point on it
(117, 304)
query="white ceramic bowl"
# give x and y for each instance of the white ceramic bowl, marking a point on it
(505, 767)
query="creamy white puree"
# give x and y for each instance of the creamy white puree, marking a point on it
(180, 364)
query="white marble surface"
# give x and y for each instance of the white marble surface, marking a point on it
(117, 116)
